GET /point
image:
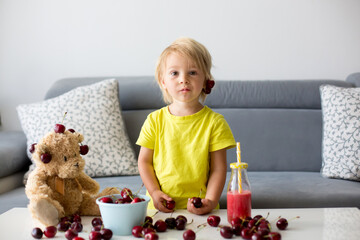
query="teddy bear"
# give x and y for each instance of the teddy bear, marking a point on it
(58, 186)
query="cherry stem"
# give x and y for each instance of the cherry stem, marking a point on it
(202, 225)
(155, 213)
(139, 189)
(192, 220)
(63, 118)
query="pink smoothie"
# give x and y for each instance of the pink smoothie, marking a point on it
(238, 204)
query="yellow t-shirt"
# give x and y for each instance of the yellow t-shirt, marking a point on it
(181, 147)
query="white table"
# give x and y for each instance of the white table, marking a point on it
(314, 223)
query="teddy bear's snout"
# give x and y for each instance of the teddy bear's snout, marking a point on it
(76, 164)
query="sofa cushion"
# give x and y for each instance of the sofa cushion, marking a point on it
(341, 136)
(94, 111)
(12, 149)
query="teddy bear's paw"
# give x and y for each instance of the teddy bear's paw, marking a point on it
(45, 212)
(109, 191)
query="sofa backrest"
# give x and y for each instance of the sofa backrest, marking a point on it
(278, 123)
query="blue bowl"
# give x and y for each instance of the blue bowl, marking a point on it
(121, 218)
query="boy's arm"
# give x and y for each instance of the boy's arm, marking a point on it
(215, 185)
(147, 173)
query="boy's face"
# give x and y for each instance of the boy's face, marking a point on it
(182, 79)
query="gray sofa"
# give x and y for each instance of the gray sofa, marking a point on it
(279, 125)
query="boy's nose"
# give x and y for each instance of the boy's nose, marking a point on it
(183, 79)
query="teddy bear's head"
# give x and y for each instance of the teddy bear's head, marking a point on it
(58, 154)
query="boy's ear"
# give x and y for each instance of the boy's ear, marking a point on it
(163, 84)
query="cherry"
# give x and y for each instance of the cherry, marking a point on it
(106, 200)
(236, 220)
(59, 128)
(136, 200)
(160, 226)
(76, 226)
(246, 233)
(197, 202)
(96, 228)
(95, 236)
(274, 236)
(78, 238)
(257, 236)
(126, 194)
(213, 220)
(180, 224)
(137, 231)
(37, 233)
(170, 222)
(84, 149)
(77, 218)
(257, 217)
(147, 230)
(96, 221)
(63, 226)
(226, 232)
(106, 234)
(45, 157)
(151, 236)
(182, 217)
(251, 223)
(148, 219)
(237, 229)
(32, 148)
(189, 235)
(120, 201)
(170, 204)
(50, 231)
(70, 234)
(71, 130)
(282, 224)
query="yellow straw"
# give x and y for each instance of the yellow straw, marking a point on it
(238, 152)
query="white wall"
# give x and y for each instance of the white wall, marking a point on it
(44, 40)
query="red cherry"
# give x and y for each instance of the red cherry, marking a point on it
(78, 238)
(226, 232)
(147, 230)
(32, 148)
(96, 221)
(106, 200)
(213, 220)
(160, 226)
(182, 217)
(197, 202)
(237, 229)
(136, 200)
(274, 236)
(246, 233)
(77, 218)
(50, 231)
(180, 224)
(126, 194)
(45, 157)
(95, 236)
(70, 234)
(106, 234)
(282, 223)
(170, 204)
(170, 222)
(189, 235)
(63, 226)
(71, 130)
(59, 128)
(120, 201)
(36, 233)
(151, 236)
(84, 149)
(137, 231)
(78, 227)
(210, 83)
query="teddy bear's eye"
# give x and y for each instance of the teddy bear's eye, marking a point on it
(75, 155)
(65, 158)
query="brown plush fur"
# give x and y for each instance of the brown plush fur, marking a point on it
(80, 191)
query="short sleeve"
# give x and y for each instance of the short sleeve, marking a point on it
(147, 134)
(221, 136)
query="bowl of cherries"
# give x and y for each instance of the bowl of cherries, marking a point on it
(121, 212)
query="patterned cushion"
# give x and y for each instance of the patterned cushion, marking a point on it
(341, 132)
(94, 111)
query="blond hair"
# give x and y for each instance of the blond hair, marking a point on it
(191, 49)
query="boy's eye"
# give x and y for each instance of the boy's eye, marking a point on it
(173, 73)
(192, 73)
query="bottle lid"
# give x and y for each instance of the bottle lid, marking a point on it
(241, 165)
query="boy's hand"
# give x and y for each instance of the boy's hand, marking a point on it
(207, 206)
(159, 198)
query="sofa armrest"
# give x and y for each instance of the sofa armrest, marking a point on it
(13, 158)
(354, 78)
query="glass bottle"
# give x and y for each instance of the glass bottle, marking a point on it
(238, 192)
